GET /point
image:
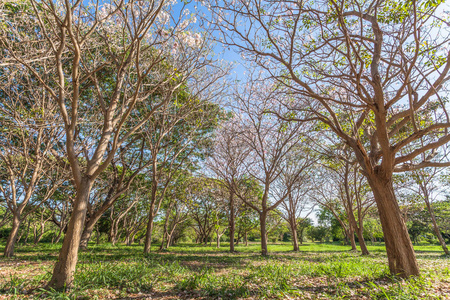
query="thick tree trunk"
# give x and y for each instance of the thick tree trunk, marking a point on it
(64, 269)
(399, 249)
(362, 243)
(218, 241)
(11, 241)
(148, 235)
(262, 222)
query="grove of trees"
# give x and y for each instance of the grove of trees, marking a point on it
(122, 122)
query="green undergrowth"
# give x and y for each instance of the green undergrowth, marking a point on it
(318, 271)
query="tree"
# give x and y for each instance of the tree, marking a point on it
(369, 71)
(296, 203)
(176, 209)
(270, 141)
(69, 48)
(30, 132)
(424, 179)
(227, 163)
(175, 138)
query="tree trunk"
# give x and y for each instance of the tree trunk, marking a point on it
(218, 241)
(436, 228)
(64, 269)
(97, 236)
(301, 235)
(362, 243)
(148, 235)
(246, 239)
(28, 231)
(399, 249)
(88, 229)
(232, 223)
(10, 242)
(293, 227)
(351, 236)
(262, 222)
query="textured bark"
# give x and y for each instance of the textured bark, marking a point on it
(400, 252)
(11, 241)
(64, 269)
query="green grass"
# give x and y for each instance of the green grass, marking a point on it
(318, 271)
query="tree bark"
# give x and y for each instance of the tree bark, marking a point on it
(88, 229)
(11, 241)
(362, 243)
(399, 249)
(351, 237)
(262, 222)
(293, 227)
(148, 235)
(64, 269)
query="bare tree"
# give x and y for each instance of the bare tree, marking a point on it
(270, 141)
(227, 163)
(297, 204)
(369, 72)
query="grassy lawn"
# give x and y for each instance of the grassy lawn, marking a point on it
(187, 271)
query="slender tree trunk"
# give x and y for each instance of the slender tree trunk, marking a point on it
(59, 235)
(293, 227)
(28, 231)
(40, 235)
(436, 228)
(148, 235)
(351, 237)
(301, 235)
(10, 242)
(88, 229)
(165, 231)
(218, 241)
(362, 243)
(232, 222)
(262, 222)
(399, 249)
(246, 239)
(64, 269)
(97, 236)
